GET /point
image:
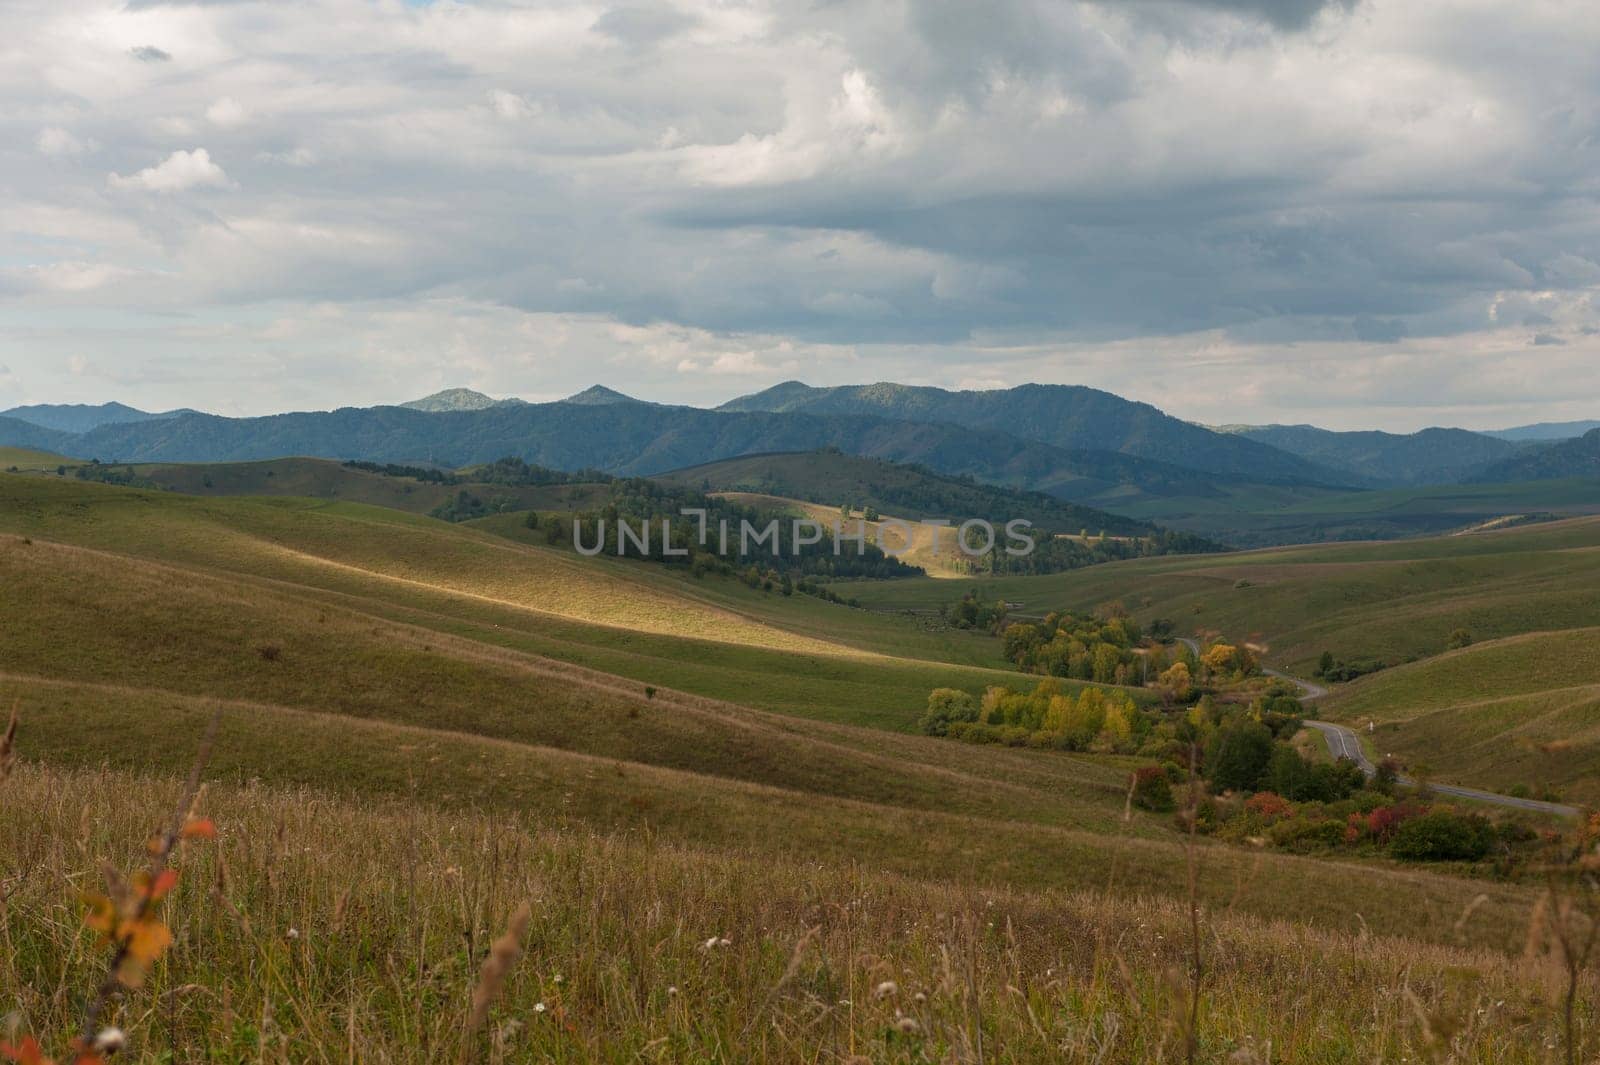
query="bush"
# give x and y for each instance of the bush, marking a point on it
(1268, 806)
(1151, 791)
(947, 706)
(1442, 836)
(1304, 835)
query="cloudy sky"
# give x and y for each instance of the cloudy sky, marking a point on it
(1362, 213)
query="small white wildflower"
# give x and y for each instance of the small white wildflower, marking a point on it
(908, 1026)
(293, 933)
(920, 997)
(538, 1007)
(109, 1041)
(672, 992)
(887, 988)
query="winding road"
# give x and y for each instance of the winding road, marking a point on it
(1344, 743)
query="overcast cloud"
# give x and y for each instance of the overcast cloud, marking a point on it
(1374, 214)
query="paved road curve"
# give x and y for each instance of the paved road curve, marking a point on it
(1344, 743)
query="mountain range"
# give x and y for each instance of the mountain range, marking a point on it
(1431, 456)
(1075, 443)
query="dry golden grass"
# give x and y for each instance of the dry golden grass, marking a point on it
(323, 930)
(935, 554)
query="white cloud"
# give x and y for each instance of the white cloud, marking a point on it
(299, 156)
(509, 105)
(226, 112)
(179, 171)
(53, 140)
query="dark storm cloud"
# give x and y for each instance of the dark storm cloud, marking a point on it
(1285, 14)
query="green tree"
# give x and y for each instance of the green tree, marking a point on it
(1441, 836)
(1152, 791)
(1325, 664)
(1238, 756)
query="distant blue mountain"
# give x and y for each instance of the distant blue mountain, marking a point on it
(1545, 431)
(83, 417)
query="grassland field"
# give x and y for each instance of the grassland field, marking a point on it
(398, 693)
(327, 929)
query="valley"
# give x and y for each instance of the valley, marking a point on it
(376, 652)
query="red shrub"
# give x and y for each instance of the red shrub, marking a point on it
(1269, 806)
(1385, 819)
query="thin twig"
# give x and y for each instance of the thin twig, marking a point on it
(161, 853)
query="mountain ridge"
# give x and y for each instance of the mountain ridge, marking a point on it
(1578, 457)
(83, 417)
(1065, 416)
(1435, 455)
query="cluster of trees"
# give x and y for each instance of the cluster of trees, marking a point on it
(1108, 647)
(1367, 818)
(514, 471)
(507, 471)
(467, 505)
(110, 474)
(1100, 648)
(1246, 749)
(1058, 554)
(972, 613)
(1250, 783)
(1337, 670)
(1048, 716)
(427, 474)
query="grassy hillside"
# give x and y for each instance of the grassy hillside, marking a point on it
(832, 479)
(423, 724)
(624, 617)
(357, 926)
(1389, 601)
(326, 479)
(434, 700)
(31, 461)
(1265, 516)
(1519, 711)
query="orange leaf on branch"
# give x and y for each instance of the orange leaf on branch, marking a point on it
(200, 828)
(29, 1053)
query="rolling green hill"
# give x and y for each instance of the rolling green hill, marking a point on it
(1264, 516)
(475, 672)
(31, 461)
(325, 479)
(1524, 710)
(714, 799)
(1363, 602)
